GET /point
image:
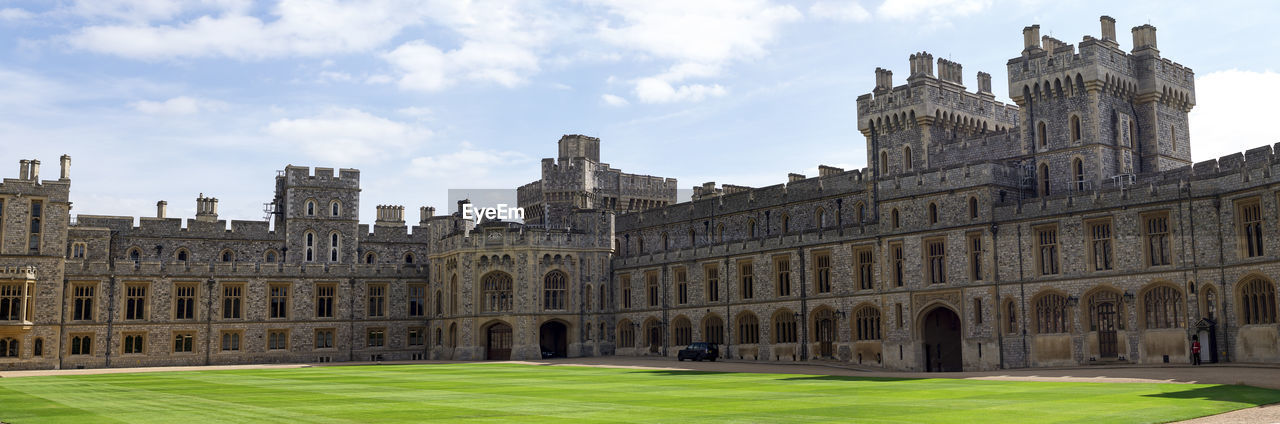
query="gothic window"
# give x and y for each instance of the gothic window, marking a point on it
(719, 233)
(713, 330)
(866, 323)
(975, 256)
(893, 218)
(748, 328)
(232, 300)
(895, 252)
(586, 298)
(370, 258)
(682, 332)
(311, 208)
(751, 228)
(1010, 317)
(1249, 222)
(231, 341)
(865, 267)
(271, 256)
(377, 300)
(713, 284)
(325, 300)
(408, 258)
(859, 212)
(747, 286)
(278, 301)
(682, 287)
(334, 246)
(497, 292)
(81, 344)
(228, 256)
(906, 158)
(785, 223)
(376, 337)
(782, 267)
(1101, 255)
(1044, 179)
(335, 209)
(666, 245)
(184, 301)
(1051, 314)
(325, 338)
(626, 334)
(82, 307)
(1105, 305)
(277, 339)
(1156, 229)
(884, 163)
(973, 208)
(933, 213)
(9, 348)
(1047, 250)
(553, 291)
(1042, 136)
(651, 288)
(1077, 174)
(11, 302)
(1257, 302)
(936, 260)
(820, 218)
(309, 241)
(625, 284)
(784, 327)
(1075, 128)
(135, 302)
(135, 255)
(37, 214)
(822, 272)
(78, 250)
(1163, 307)
(1210, 303)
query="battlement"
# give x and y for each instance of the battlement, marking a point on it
(323, 177)
(925, 98)
(18, 273)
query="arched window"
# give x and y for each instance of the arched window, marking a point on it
(553, 291)
(8, 348)
(1077, 173)
(586, 297)
(859, 212)
(408, 258)
(135, 255)
(1044, 179)
(1105, 309)
(1051, 314)
(751, 228)
(309, 241)
(1210, 303)
(973, 208)
(335, 208)
(893, 216)
(453, 294)
(182, 255)
(1257, 302)
(370, 258)
(1162, 306)
(666, 242)
(681, 331)
(785, 222)
(626, 334)
(820, 218)
(693, 239)
(1042, 136)
(1075, 128)
(37, 347)
(933, 213)
(439, 303)
(228, 255)
(453, 334)
(1173, 137)
(311, 208)
(884, 162)
(719, 233)
(748, 329)
(906, 158)
(335, 242)
(784, 327)
(270, 256)
(713, 329)
(1010, 317)
(866, 323)
(497, 292)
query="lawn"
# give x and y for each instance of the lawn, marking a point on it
(529, 393)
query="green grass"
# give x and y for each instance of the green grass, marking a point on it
(527, 393)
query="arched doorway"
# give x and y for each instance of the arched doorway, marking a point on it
(498, 342)
(942, 341)
(825, 330)
(553, 338)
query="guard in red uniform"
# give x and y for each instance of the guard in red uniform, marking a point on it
(1195, 350)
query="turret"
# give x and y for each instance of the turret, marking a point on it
(1144, 37)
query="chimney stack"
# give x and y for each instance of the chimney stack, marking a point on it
(1144, 37)
(824, 171)
(793, 177)
(35, 170)
(1031, 38)
(1108, 28)
(425, 213)
(884, 80)
(66, 167)
(390, 215)
(984, 83)
(24, 169)
(206, 209)
(162, 209)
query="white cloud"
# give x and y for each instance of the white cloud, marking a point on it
(467, 164)
(299, 29)
(613, 100)
(1229, 104)
(181, 105)
(655, 90)
(414, 111)
(348, 136)
(840, 10)
(14, 14)
(699, 38)
(937, 12)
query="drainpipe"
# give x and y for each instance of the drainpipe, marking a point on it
(995, 277)
(1222, 276)
(1022, 294)
(208, 321)
(804, 310)
(62, 321)
(351, 319)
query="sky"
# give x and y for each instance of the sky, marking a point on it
(160, 100)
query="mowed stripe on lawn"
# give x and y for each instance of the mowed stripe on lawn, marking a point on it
(529, 393)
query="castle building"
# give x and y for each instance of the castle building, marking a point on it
(1068, 228)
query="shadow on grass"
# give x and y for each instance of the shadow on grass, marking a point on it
(681, 373)
(1255, 396)
(844, 378)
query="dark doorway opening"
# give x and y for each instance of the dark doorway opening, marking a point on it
(499, 342)
(553, 338)
(942, 341)
(1106, 319)
(826, 332)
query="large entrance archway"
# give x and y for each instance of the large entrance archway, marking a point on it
(941, 332)
(553, 337)
(498, 345)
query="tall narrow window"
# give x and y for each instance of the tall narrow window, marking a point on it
(1047, 245)
(334, 245)
(11, 302)
(417, 294)
(625, 283)
(933, 213)
(906, 158)
(83, 304)
(1173, 137)
(278, 301)
(1249, 217)
(747, 287)
(713, 283)
(232, 297)
(135, 302)
(865, 267)
(310, 243)
(1044, 179)
(822, 272)
(1077, 177)
(311, 208)
(895, 252)
(1075, 128)
(1100, 245)
(184, 301)
(682, 287)
(936, 259)
(651, 289)
(975, 256)
(37, 216)
(497, 292)
(324, 300)
(335, 209)
(1010, 317)
(820, 218)
(782, 267)
(1042, 136)
(1157, 235)
(977, 310)
(973, 208)
(884, 163)
(553, 291)
(377, 300)
(893, 218)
